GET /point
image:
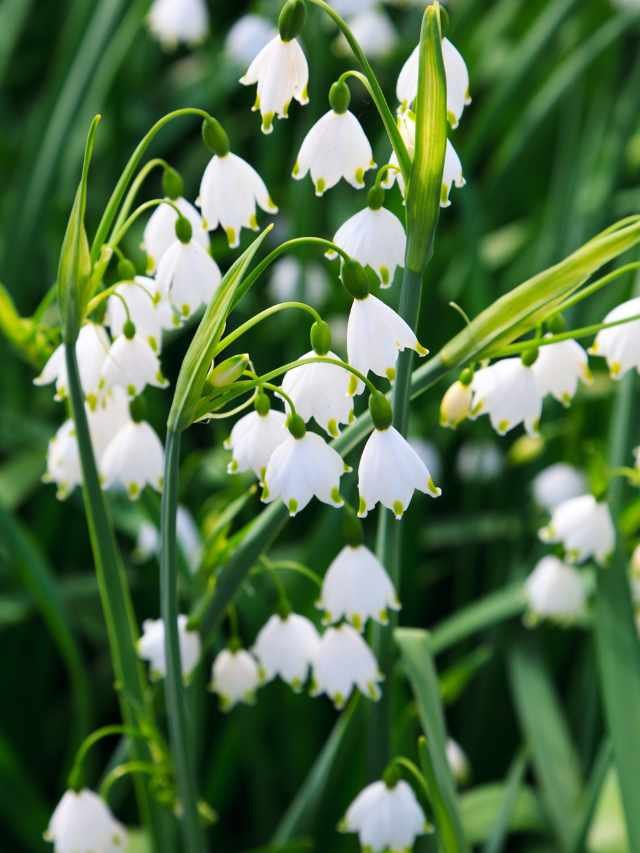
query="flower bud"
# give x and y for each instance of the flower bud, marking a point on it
(262, 403)
(339, 97)
(291, 20)
(557, 324)
(126, 270)
(184, 230)
(129, 330)
(381, 412)
(296, 426)
(455, 405)
(525, 449)
(172, 183)
(320, 337)
(375, 197)
(530, 356)
(391, 775)
(215, 137)
(355, 279)
(228, 371)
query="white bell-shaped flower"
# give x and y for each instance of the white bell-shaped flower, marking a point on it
(285, 647)
(386, 817)
(558, 369)
(300, 468)
(160, 231)
(389, 472)
(374, 33)
(555, 591)
(620, 345)
(343, 661)
(356, 587)
(132, 364)
(320, 391)
(557, 483)
(82, 823)
(457, 761)
(179, 21)
(229, 191)
(253, 439)
(335, 147)
(248, 35)
(375, 336)
(584, 527)
(146, 307)
(92, 347)
(133, 459)
(457, 81)
(235, 678)
(188, 276)
(375, 238)
(151, 647)
(281, 73)
(507, 391)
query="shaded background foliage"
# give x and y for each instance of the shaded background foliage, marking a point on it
(551, 152)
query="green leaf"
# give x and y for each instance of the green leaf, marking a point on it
(506, 813)
(481, 806)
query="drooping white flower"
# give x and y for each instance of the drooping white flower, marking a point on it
(557, 483)
(133, 459)
(386, 817)
(253, 439)
(92, 347)
(132, 364)
(188, 276)
(235, 678)
(285, 647)
(176, 21)
(374, 32)
(146, 307)
(82, 823)
(375, 238)
(389, 472)
(479, 461)
(320, 391)
(458, 761)
(558, 369)
(584, 527)
(188, 535)
(457, 78)
(281, 73)
(248, 35)
(555, 590)
(229, 191)
(291, 280)
(300, 468)
(356, 587)
(375, 336)
(160, 231)
(343, 661)
(620, 345)
(335, 147)
(151, 647)
(508, 393)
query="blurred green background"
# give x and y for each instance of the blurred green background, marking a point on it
(551, 153)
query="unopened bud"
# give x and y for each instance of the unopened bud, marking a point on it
(291, 20)
(381, 411)
(184, 231)
(320, 337)
(228, 371)
(339, 97)
(455, 405)
(262, 403)
(355, 279)
(172, 184)
(215, 137)
(296, 426)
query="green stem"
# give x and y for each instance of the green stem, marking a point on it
(127, 769)
(289, 566)
(264, 315)
(137, 213)
(574, 334)
(598, 285)
(75, 776)
(174, 688)
(135, 189)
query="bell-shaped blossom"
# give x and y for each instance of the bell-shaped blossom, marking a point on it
(82, 823)
(620, 345)
(229, 191)
(281, 73)
(507, 391)
(160, 231)
(555, 591)
(389, 472)
(179, 21)
(235, 678)
(285, 647)
(132, 364)
(557, 483)
(188, 536)
(248, 35)
(343, 661)
(356, 587)
(300, 468)
(151, 647)
(375, 336)
(374, 33)
(320, 391)
(584, 527)
(457, 761)
(335, 147)
(457, 81)
(292, 280)
(133, 459)
(188, 276)
(253, 439)
(146, 307)
(558, 369)
(92, 347)
(374, 238)
(386, 817)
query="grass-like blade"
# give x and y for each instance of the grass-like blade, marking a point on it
(481, 806)
(506, 812)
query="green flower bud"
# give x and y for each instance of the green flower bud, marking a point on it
(228, 371)
(172, 183)
(530, 356)
(352, 529)
(466, 376)
(375, 198)
(320, 337)
(184, 231)
(129, 330)
(391, 775)
(381, 412)
(138, 409)
(556, 324)
(296, 426)
(126, 270)
(291, 20)
(339, 97)
(262, 403)
(215, 137)
(355, 279)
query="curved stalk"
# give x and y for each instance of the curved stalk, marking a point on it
(136, 184)
(264, 315)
